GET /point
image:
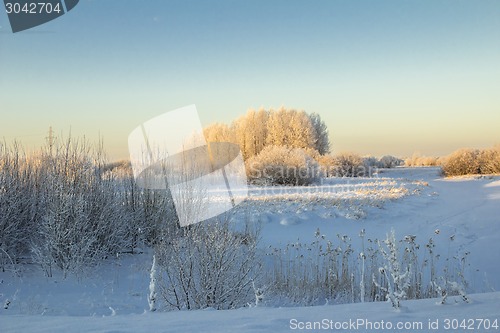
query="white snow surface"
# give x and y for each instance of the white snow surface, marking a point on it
(460, 214)
(483, 306)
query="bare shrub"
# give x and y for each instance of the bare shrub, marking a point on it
(67, 209)
(18, 203)
(83, 219)
(207, 265)
(148, 211)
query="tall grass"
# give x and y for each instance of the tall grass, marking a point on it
(333, 271)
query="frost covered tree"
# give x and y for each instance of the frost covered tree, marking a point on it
(290, 128)
(218, 132)
(277, 125)
(255, 130)
(250, 132)
(321, 135)
(301, 132)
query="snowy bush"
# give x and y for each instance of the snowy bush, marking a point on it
(67, 209)
(417, 160)
(281, 165)
(472, 161)
(83, 219)
(385, 162)
(207, 265)
(489, 160)
(18, 203)
(389, 161)
(371, 162)
(346, 165)
(148, 212)
(462, 162)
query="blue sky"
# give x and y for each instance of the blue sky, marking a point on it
(388, 77)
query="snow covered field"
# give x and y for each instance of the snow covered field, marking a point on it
(418, 316)
(460, 214)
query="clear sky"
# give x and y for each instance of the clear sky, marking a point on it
(388, 77)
